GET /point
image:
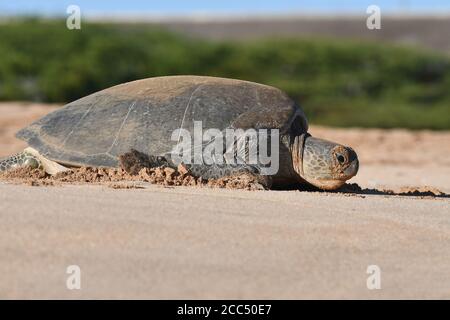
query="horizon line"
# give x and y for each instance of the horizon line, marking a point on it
(213, 16)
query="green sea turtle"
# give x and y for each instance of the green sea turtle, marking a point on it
(143, 115)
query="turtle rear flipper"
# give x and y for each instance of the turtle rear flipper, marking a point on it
(19, 160)
(30, 158)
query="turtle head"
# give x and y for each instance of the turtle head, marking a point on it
(325, 164)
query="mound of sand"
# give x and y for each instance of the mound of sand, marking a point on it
(119, 178)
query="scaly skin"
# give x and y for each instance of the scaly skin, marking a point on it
(327, 165)
(19, 160)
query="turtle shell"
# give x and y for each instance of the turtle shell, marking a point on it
(143, 114)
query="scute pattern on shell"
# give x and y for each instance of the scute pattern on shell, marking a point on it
(143, 114)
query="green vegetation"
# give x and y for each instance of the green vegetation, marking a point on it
(340, 83)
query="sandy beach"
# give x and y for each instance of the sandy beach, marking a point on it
(189, 242)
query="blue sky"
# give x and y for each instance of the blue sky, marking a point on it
(54, 7)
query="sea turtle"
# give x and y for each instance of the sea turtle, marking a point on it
(143, 115)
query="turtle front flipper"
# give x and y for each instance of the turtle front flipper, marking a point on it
(133, 161)
(20, 160)
(217, 171)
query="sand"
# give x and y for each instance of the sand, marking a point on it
(119, 178)
(135, 239)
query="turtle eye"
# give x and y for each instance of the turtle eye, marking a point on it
(340, 158)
